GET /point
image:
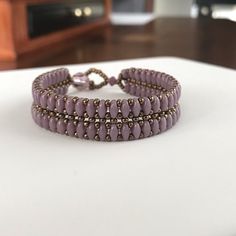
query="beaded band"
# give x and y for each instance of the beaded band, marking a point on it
(155, 110)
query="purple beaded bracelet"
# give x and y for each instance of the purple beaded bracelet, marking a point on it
(154, 110)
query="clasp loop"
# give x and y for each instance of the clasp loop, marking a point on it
(82, 81)
(92, 84)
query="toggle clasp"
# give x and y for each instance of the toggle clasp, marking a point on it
(82, 82)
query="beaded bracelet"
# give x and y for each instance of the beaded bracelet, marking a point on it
(154, 109)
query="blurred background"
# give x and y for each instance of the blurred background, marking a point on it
(37, 33)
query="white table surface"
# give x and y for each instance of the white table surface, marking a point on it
(180, 183)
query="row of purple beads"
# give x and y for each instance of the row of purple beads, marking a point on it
(106, 131)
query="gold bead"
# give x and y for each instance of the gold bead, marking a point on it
(85, 115)
(130, 124)
(113, 120)
(85, 101)
(74, 99)
(141, 101)
(97, 125)
(96, 115)
(86, 124)
(91, 119)
(119, 125)
(107, 103)
(131, 101)
(96, 101)
(118, 102)
(141, 123)
(97, 137)
(119, 115)
(108, 125)
(107, 115)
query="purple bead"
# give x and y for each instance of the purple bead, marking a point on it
(162, 81)
(142, 92)
(169, 121)
(39, 119)
(112, 81)
(174, 118)
(148, 76)
(70, 128)
(171, 101)
(143, 76)
(148, 92)
(153, 77)
(175, 97)
(178, 90)
(146, 106)
(79, 107)
(80, 130)
(146, 129)
(153, 92)
(127, 88)
(60, 104)
(163, 124)
(60, 75)
(125, 131)
(91, 131)
(34, 93)
(136, 130)
(102, 132)
(113, 109)
(34, 113)
(61, 126)
(136, 108)
(125, 73)
(51, 102)
(164, 103)
(45, 83)
(39, 95)
(45, 122)
(113, 132)
(53, 124)
(137, 75)
(102, 109)
(137, 91)
(132, 89)
(43, 100)
(156, 104)
(125, 108)
(70, 106)
(90, 109)
(155, 127)
(131, 73)
(63, 91)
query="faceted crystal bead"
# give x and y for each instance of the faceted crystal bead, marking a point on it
(80, 81)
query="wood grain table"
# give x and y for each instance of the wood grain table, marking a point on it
(206, 40)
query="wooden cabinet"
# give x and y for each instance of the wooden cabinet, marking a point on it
(28, 25)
